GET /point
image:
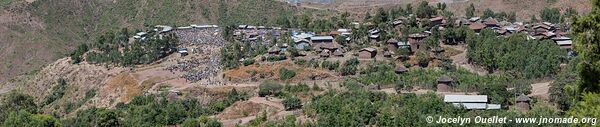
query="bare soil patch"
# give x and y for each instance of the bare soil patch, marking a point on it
(540, 90)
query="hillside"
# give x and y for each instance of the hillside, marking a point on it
(35, 34)
(266, 63)
(523, 8)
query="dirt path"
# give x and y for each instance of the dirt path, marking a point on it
(6, 88)
(540, 90)
(272, 102)
(461, 60)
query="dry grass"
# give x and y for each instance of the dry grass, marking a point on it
(123, 86)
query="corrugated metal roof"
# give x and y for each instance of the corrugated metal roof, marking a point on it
(304, 35)
(477, 105)
(493, 106)
(471, 105)
(465, 98)
(321, 38)
(565, 42)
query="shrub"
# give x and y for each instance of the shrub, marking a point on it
(247, 62)
(285, 74)
(275, 58)
(350, 67)
(268, 88)
(292, 103)
(422, 58)
(76, 55)
(330, 65)
(57, 92)
(399, 86)
(300, 62)
(301, 87)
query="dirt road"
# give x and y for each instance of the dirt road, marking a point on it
(540, 90)
(461, 60)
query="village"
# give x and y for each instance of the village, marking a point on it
(292, 63)
(199, 59)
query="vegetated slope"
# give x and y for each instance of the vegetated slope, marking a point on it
(35, 34)
(523, 8)
(81, 82)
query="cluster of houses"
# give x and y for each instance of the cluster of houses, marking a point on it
(535, 31)
(544, 30)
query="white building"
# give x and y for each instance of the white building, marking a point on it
(470, 101)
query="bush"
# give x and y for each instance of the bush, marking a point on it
(285, 74)
(292, 103)
(350, 67)
(203, 121)
(247, 62)
(57, 92)
(330, 65)
(113, 48)
(268, 88)
(399, 86)
(273, 58)
(315, 87)
(422, 58)
(76, 55)
(14, 101)
(348, 70)
(300, 62)
(25, 119)
(506, 54)
(301, 87)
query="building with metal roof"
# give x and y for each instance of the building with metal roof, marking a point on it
(321, 38)
(470, 101)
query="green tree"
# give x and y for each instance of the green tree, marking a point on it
(511, 17)
(291, 103)
(23, 118)
(76, 56)
(269, 88)
(424, 10)
(587, 45)
(367, 17)
(398, 86)
(588, 107)
(285, 74)
(409, 9)
(487, 14)
(14, 101)
(561, 92)
(203, 121)
(551, 15)
(470, 11)
(570, 12)
(381, 16)
(57, 92)
(422, 58)
(349, 67)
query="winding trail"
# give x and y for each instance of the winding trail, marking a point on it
(272, 102)
(461, 60)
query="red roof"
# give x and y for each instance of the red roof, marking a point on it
(436, 18)
(490, 21)
(476, 26)
(334, 33)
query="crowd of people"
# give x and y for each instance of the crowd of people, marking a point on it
(193, 36)
(204, 61)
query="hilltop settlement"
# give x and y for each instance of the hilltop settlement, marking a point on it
(386, 69)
